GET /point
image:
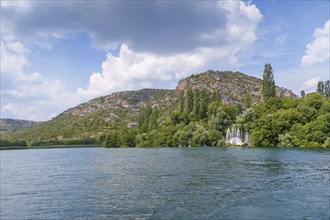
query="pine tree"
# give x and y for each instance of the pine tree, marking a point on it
(268, 83)
(327, 88)
(320, 87)
(196, 102)
(181, 101)
(189, 102)
(302, 93)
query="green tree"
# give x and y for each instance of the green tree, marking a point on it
(196, 96)
(153, 118)
(302, 93)
(182, 137)
(204, 102)
(112, 139)
(285, 140)
(320, 87)
(247, 101)
(326, 143)
(189, 102)
(221, 120)
(181, 101)
(144, 117)
(127, 138)
(200, 137)
(268, 83)
(214, 137)
(314, 100)
(215, 97)
(327, 88)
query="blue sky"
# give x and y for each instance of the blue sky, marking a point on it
(57, 54)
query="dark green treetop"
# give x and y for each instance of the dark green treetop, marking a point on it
(302, 93)
(268, 83)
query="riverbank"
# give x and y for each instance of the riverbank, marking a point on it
(47, 147)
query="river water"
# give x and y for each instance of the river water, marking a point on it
(165, 183)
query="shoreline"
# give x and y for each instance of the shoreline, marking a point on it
(48, 147)
(95, 146)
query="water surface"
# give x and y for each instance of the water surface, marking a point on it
(165, 183)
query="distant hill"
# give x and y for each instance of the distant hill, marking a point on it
(7, 124)
(96, 117)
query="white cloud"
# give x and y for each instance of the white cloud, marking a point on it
(19, 5)
(13, 58)
(318, 51)
(24, 111)
(299, 78)
(243, 20)
(132, 70)
(229, 39)
(310, 85)
(29, 95)
(145, 26)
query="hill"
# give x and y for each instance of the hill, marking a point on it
(10, 125)
(90, 122)
(232, 86)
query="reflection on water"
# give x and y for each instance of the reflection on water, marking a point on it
(179, 183)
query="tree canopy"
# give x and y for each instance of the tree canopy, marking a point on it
(268, 83)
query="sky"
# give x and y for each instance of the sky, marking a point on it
(58, 54)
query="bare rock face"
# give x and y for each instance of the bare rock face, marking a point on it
(232, 86)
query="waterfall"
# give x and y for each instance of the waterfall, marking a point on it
(234, 136)
(247, 138)
(228, 135)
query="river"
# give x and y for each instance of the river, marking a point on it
(165, 183)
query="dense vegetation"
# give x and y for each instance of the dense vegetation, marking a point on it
(283, 122)
(197, 117)
(303, 122)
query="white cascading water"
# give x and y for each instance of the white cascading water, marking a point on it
(247, 138)
(234, 137)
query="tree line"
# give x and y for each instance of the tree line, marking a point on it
(199, 118)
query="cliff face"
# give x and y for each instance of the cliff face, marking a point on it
(233, 86)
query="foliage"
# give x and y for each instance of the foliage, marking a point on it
(268, 83)
(303, 122)
(302, 93)
(323, 88)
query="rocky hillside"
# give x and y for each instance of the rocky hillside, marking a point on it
(127, 101)
(233, 86)
(7, 124)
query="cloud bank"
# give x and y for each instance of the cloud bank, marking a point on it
(318, 50)
(135, 70)
(148, 44)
